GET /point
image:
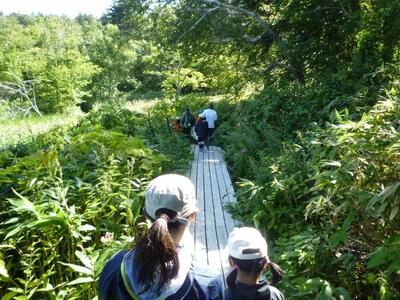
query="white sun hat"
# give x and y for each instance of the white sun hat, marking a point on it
(247, 243)
(174, 192)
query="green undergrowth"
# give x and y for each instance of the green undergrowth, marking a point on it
(327, 193)
(23, 130)
(73, 196)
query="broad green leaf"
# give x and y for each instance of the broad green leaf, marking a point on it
(5, 246)
(84, 259)
(314, 283)
(332, 164)
(48, 221)
(338, 116)
(378, 257)
(14, 231)
(347, 222)
(337, 238)
(3, 270)
(393, 213)
(10, 221)
(325, 294)
(81, 280)
(9, 295)
(344, 294)
(389, 191)
(78, 269)
(87, 227)
(32, 182)
(22, 204)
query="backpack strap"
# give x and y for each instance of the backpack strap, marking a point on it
(182, 291)
(125, 280)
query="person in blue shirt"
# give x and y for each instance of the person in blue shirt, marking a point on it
(248, 254)
(160, 265)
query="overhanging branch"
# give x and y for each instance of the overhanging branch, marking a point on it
(208, 12)
(267, 30)
(299, 77)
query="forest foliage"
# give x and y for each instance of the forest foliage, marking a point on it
(309, 111)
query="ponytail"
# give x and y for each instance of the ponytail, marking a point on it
(231, 278)
(156, 254)
(276, 271)
(255, 266)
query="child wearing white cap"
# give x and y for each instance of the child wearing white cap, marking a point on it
(160, 265)
(248, 254)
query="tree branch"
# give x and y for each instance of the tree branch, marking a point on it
(267, 30)
(208, 12)
(288, 67)
(22, 88)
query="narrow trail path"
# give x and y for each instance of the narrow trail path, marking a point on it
(213, 223)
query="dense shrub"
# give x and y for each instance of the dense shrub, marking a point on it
(329, 196)
(72, 197)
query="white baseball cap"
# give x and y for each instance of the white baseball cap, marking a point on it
(174, 192)
(246, 243)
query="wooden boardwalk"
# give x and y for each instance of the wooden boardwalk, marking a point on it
(213, 223)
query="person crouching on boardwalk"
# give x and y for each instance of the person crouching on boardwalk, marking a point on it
(160, 265)
(248, 254)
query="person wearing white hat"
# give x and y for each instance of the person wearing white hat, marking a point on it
(248, 254)
(160, 265)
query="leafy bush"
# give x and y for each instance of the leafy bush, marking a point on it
(60, 202)
(328, 196)
(185, 80)
(73, 197)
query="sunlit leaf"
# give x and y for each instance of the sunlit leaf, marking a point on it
(81, 280)
(3, 270)
(332, 164)
(393, 213)
(325, 294)
(22, 204)
(79, 269)
(9, 296)
(84, 259)
(14, 231)
(48, 221)
(87, 227)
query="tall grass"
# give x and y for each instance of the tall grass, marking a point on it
(22, 130)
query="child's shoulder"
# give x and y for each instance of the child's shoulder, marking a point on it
(275, 293)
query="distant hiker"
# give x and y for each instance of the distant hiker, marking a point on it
(211, 116)
(201, 129)
(176, 125)
(248, 254)
(160, 265)
(187, 122)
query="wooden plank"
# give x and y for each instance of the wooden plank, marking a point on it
(223, 192)
(213, 250)
(227, 179)
(218, 214)
(200, 227)
(213, 223)
(193, 178)
(211, 234)
(229, 195)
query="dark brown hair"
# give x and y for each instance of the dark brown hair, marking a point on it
(254, 266)
(156, 252)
